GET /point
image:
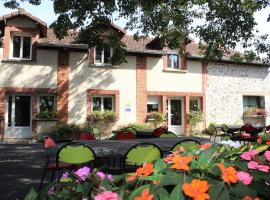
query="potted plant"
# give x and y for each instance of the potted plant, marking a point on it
(45, 121)
(102, 122)
(194, 118)
(156, 118)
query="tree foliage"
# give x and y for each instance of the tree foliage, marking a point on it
(223, 24)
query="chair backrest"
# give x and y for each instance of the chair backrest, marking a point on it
(142, 153)
(48, 142)
(168, 134)
(158, 131)
(75, 153)
(187, 144)
(86, 136)
(225, 128)
(131, 129)
(125, 135)
(213, 129)
(248, 128)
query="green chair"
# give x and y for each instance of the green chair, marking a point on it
(75, 153)
(168, 134)
(216, 133)
(189, 144)
(140, 154)
(131, 129)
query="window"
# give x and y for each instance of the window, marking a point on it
(103, 56)
(102, 103)
(47, 103)
(253, 102)
(21, 47)
(173, 61)
(153, 103)
(195, 103)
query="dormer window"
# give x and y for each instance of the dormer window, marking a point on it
(173, 61)
(21, 47)
(103, 56)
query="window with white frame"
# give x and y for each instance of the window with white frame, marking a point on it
(195, 103)
(153, 103)
(103, 55)
(102, 102)
(47, 103)
(173, 61)
(21, 47)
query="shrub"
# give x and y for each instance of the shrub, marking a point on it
(156, 118)
(66, 131)
(47, 115)
(137, 126)
(194, 118)
(102, 121)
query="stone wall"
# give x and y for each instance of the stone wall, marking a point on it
(226, 86)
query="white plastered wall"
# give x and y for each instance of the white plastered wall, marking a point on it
(159, 80)
(83, 77)
(39, 74)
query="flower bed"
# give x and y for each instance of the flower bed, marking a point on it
(227, 171)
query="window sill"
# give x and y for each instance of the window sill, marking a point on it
(16, 61)
(103, 65)
(175, 70)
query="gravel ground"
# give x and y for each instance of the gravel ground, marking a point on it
(20, 169)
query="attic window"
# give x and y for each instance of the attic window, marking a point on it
(173, 61)
(21, 47)
(103, 56)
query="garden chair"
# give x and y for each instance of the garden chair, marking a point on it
(168, 134)
(140, 154)
(70, 156)
(50, 150)
(86, 136)
(227, 131)
(131, 129)
(158, 131)
(124, 135)
(215, 132)
(189, 144)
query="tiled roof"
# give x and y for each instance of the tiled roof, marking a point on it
(22, 12)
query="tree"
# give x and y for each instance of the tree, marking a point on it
(225, 23)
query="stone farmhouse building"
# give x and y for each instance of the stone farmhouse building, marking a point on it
(39, 72)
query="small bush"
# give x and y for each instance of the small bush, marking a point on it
(66, 131)
(194, 118)
(156, 118)
(47, 115)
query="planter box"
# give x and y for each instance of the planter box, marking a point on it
(254, 120)
(45, 125)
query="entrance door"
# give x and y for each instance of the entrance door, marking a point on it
(18, 116)
(175, 115)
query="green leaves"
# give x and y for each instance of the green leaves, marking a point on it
(219, 192)
(32, 195)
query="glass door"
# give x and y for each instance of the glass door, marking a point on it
(175, 115)
(18, 116)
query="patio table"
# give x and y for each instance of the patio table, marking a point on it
(111, 151)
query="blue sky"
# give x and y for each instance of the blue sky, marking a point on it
(45, 12)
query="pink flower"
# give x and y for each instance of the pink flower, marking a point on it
(255, 165)
(83, 172)
(244, 177)
(267, 155)
(107, 195)
(263, 168)
(101, 175)
(110, 177)
(248, 155)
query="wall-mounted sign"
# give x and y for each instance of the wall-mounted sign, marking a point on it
(127, 107)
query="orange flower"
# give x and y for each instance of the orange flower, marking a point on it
(268, 142)
(180, 162)
(259, 140)
(250, 198)
(145, 170)
(156, 182)
(197, 189)
(145, 195)
(229, 174)
(205, 146)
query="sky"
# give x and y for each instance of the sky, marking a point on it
(45, 12)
